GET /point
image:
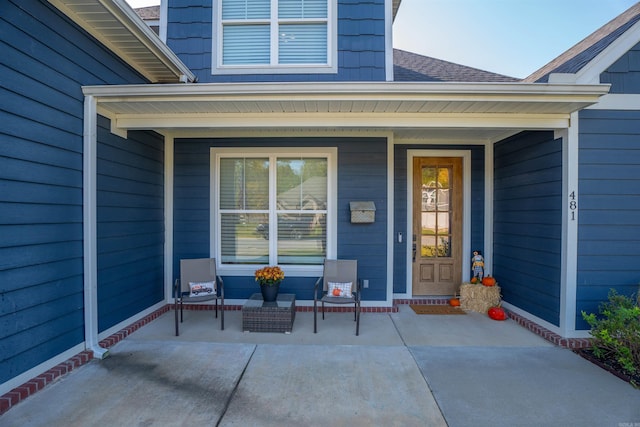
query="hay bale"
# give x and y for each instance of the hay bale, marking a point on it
(476, 297)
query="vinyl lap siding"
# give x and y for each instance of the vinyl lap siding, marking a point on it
(361, 177)
(361, 43)
(130, 223)
(609, 207)
(45, 61)
(527, 222)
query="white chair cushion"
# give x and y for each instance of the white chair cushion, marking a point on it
(339, 290)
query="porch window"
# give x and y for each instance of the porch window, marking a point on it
(272, 36)
(272, 208)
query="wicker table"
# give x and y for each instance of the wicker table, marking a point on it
(277, 316)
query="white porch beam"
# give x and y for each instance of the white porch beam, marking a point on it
(347, 120)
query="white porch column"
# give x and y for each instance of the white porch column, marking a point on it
(488, 209)
(89, 207)
(168, 216)
(569, 271)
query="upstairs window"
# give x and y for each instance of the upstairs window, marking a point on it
(272, 36)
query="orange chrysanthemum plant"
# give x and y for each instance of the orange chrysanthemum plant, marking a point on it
(269, 276)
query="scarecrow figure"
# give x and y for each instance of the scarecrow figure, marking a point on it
(477, 265)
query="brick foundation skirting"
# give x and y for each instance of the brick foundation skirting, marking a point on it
(552, 337)
(36, 384)
(346, 308)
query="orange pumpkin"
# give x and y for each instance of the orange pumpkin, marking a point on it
(454, 302)
(488, 281)
(336, 292)
(474, 279)
(497, 313)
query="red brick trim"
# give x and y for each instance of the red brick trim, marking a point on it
(421, 301)
(346, 308)
(552, 337)
(36, 384)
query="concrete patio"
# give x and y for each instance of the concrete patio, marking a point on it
(403, 370)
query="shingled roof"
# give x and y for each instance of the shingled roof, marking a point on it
(149, 12)
(409, 66)
(574, 59)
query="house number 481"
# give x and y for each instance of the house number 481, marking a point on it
(573, 205)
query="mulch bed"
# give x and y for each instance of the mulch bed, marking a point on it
(611, 366)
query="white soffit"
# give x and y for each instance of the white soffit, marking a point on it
(119, 28)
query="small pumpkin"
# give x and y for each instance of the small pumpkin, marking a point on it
(474, 280)
(497, 313)
(488, 281)
(454, 302)
(336, 292)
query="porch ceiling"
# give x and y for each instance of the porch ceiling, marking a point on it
(405, 108)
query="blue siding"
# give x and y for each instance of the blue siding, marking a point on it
(609, 207)
(362, 165)
(624, 74)
(361, 43)
(528, 222)
(45, 61)
(400, 204)
(130, 224)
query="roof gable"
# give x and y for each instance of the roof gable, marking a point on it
(586, 51)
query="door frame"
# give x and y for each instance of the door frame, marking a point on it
(466, 209)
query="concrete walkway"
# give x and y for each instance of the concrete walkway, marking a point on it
(403, 370)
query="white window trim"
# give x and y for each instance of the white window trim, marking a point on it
(331, 67)
(330, 153)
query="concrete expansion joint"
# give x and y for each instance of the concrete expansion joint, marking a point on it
(235, 386)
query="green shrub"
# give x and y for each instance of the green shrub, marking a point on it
(616, 331)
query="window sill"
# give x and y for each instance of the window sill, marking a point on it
(299, 69)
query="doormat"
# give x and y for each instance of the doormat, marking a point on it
(436, 309)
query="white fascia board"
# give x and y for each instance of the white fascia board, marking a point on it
(590, 73)
(348, 90)
(370, 120)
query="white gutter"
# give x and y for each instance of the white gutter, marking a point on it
(409, 90)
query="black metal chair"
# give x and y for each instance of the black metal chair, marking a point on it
(340, 285)
(198, 283)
